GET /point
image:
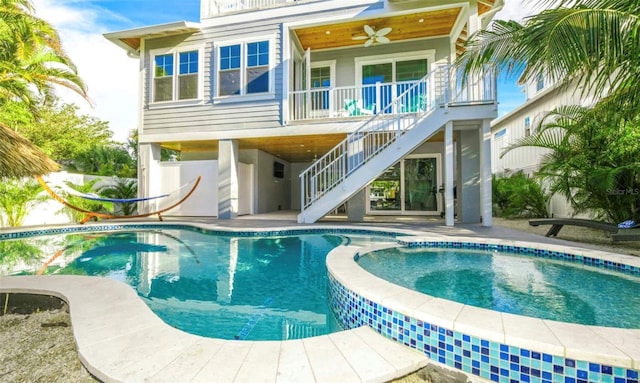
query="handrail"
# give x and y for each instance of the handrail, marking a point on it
(387, 125)
(377, 133)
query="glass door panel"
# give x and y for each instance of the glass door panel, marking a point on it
(372, 74)
(384, 192)
(420, 184)
(407, 73)
(320, 78)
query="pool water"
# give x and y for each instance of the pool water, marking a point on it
(222, 286)
(518, 284)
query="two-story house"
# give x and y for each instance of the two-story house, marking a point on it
(310, 104)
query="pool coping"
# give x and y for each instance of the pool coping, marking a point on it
(607, 345)
(119, 339)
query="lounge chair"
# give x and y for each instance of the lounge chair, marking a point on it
(415, 104)
(558, 223)
(355, 108)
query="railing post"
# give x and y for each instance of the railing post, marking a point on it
(378, 102)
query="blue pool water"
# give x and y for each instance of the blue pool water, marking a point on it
(222, 286)
(517, 284)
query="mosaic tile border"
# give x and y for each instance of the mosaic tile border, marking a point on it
(497, 362)
(230, 232)
(543, 253)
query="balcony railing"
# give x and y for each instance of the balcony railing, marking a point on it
(390, 98)
(218, 7)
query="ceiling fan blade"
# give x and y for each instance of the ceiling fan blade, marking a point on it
(360, 38)
(383, 31)
(368, 43)
(382, 39)
(370, 31)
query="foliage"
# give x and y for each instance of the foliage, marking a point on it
(32, 59)
(518, 195)
(122, 189)
(17, 198)
(165, 154)
(106, 160)
(18, 251)
(594, 158)
(63, 133)
(83, 203)
(595, 43)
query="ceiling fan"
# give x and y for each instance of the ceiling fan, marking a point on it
(374, 36)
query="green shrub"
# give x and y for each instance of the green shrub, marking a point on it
(519, 196)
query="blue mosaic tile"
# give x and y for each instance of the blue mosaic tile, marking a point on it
(497, 362)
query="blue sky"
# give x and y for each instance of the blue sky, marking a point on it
(112, 76)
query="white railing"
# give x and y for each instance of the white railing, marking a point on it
(218, 7)
(367, 100)
(386, 123)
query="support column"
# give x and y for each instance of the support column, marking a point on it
(356, 206)
(468, 185)
(486, 202)
(149, 176)
(227, 179)
(448, 174)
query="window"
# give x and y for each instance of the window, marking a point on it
(500, 134)
(169, 87)
(320, 78)
(527, 126)
(244, 69)
(539, 82)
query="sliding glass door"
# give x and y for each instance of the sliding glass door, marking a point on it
(408, 187)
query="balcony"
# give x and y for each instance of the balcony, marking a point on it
(221, 7)
(441, 87)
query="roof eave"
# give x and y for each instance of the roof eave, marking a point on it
(124, 38)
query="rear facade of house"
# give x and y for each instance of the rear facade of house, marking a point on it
(317, 106)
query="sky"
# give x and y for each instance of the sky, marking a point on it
(111, 76)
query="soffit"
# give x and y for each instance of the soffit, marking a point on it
(404, 27)
(289, 148)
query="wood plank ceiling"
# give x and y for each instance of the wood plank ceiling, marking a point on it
(404, 27)
(289, 148)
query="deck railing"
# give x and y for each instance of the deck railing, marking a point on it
(386, 123)
(390, 98)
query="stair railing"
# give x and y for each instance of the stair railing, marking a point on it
(376, 134)
(440, 88)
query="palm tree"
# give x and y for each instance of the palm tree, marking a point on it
(593, 159)
(123, 189)
(32, 57)
(595, 43)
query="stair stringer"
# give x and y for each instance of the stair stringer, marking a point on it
(368, 172)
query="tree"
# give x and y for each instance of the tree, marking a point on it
(105, 160)
(595, 43)
(63, 133)
(122, 189)
(593, 159)
(83, 203)
(32, 60)
(519, 195)
(17, 197)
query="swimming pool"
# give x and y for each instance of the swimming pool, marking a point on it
(540, 287)
(495, 346)
(271, 286)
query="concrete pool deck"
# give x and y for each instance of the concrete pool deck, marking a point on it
(120, 339)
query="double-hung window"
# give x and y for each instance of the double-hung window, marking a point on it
(244, 68)
(176, 76)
